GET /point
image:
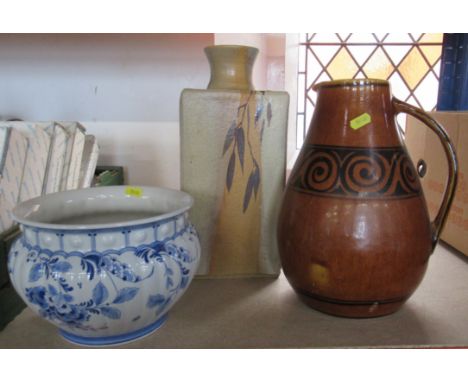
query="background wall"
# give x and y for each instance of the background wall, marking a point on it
(109, 77)
(276, 61)
(149, 151)
(291, 62)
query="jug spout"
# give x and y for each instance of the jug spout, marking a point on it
(360, 111)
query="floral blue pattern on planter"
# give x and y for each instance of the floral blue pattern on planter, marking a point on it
(85, 291)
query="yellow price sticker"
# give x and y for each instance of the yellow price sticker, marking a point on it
(136, 192)
(360, 121)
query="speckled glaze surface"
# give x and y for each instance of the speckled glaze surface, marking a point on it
(354, 231)
(109, 282)
(233, 159)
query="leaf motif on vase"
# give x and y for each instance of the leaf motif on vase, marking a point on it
(269, 113)
(110, 312)
(240, 145)
(100, 293)
(256, 180)
(229, 137)
(258, 112)
(248, 191)
(230, 171)
(125, 294)
(155, 300)
(91, 264)
(242, 140)
(252, 187)
(36, 272)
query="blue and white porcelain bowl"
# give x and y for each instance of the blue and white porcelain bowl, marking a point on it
(104, 264)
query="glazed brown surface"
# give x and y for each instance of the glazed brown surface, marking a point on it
(368, 251)
(354, 232)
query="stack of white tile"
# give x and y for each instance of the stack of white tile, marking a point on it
(38, 143)
(41, 158)
(89, 161)
(73, 155)
(11, 173)
(56, 157)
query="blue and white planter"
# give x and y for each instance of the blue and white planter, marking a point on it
(104, 283)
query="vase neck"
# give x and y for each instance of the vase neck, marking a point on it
(231, 66)
(354, 113)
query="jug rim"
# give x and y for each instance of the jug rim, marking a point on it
(351, 82)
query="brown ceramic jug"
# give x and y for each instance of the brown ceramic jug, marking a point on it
(354, 232)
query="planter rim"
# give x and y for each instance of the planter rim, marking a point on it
(31, 212)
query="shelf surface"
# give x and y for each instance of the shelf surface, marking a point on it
(265, 313)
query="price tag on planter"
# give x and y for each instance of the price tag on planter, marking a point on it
(136, 192)
(360, 121)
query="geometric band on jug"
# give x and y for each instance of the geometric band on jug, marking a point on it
(355, 172)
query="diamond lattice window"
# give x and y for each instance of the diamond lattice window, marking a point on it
(410, 61)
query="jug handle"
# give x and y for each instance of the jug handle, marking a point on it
(442, 214)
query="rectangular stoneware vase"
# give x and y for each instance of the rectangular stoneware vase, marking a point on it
(233, 158)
